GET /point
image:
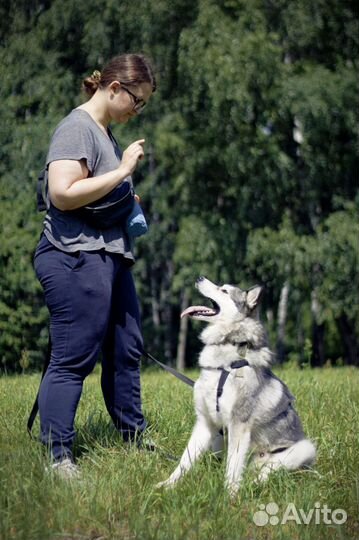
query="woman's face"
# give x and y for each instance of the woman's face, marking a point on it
(126, 101)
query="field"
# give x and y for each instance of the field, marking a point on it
(116, 498)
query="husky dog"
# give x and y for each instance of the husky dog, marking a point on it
(236, 390)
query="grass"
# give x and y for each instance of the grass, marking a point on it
(116, 498)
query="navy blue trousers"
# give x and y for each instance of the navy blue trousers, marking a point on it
(93, 308)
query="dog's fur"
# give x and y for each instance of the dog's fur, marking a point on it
(256, 407)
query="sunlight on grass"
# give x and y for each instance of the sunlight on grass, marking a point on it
(116, 498)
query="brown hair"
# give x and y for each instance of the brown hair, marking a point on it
(130, 69)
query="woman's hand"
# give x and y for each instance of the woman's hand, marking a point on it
(69, 184)
(132, 155)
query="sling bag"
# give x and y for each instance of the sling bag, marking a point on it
(113, 209)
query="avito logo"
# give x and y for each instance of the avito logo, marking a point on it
(268, 514)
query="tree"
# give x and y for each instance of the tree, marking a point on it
(309, 265)
(251, 156)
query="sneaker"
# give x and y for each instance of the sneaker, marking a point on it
(66, 469)
(147, 444)
(141, 444)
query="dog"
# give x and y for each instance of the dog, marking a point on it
(237, 391)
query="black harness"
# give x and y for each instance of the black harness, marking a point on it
(225, 371)
(224, 375)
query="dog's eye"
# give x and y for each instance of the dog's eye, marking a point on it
(224, 290)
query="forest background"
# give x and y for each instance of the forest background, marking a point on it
(250, 173)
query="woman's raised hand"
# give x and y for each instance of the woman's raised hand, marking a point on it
(132, 155)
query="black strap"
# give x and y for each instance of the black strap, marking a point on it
(223, 377)
(177, 374)
(221, 382)
(35, 406)
(40, 191)
(239, 363)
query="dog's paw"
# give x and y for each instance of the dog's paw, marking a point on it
(262, 474)
(232, 489)
(262, 477)
(166, 484)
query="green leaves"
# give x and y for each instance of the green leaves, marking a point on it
(326, 262)
(250, 156)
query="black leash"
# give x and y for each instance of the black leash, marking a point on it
(35, 407)
(224, 374)
(171, 370)
(242, 362)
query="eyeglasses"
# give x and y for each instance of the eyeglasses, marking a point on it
(138, 103)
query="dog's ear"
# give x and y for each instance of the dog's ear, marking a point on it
(254, 296)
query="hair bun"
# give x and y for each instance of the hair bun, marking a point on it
(90, 84)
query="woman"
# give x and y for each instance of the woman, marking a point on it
(84, 270)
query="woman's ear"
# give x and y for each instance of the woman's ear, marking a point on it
(115, 87)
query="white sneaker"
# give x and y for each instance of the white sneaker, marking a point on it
(66, 469)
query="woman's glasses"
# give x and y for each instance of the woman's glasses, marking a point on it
(138, 103)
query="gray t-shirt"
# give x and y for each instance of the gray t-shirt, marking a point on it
(79, 137)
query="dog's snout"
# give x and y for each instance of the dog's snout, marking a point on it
(201, 278)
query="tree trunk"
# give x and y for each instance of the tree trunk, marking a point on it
(318, 331)
(167, 310)
(182, 335)
(349, 339)
(282, 319)
(155, 345)
(300, 338)
(156, 319)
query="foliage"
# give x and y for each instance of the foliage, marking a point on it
(311, 262)
(251, 147)
(338, 256)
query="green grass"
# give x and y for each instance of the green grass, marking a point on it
(116, 498)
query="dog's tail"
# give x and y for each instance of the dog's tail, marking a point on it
(299, 455)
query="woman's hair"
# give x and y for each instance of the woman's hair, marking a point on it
(129, 69)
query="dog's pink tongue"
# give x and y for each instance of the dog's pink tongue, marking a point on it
(193, 309)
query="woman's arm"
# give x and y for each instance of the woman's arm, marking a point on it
(70, 188)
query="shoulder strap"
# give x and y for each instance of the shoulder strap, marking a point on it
(40, 190)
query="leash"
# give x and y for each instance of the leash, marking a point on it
(171, 370)
(242, 362)
(190, 382)
(35, 407)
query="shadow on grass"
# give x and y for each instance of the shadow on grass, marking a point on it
(97, 432)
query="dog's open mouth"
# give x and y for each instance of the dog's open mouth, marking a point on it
(201, 311)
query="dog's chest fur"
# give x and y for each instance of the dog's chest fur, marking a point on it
(236, 388)
(251, 394)
(205, 395)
